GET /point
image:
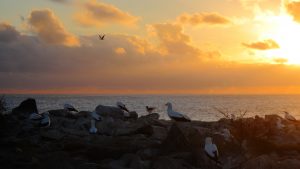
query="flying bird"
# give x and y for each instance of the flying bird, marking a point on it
(101, 37)
(45, 121)
(289, 117)
(176, 115)
(150, 109)
(122, 106)
(211, 150)
(70, 108)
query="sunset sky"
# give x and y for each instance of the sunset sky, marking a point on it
(150, 47)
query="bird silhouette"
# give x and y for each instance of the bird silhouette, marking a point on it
(101, 37)
(150, 109)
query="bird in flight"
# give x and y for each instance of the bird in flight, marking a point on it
(101, 37)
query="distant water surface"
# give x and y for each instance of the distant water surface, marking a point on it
(198, 107)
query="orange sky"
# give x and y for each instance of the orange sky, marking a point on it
(195, 47)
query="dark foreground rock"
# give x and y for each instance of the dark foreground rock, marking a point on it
(144, 143)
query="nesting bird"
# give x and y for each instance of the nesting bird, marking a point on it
(69, 107)
(211, 150)
(289, 117)
(176, 116)
(45, 121)
(35, 116)
(150, 109)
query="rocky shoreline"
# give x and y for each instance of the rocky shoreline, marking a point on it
(145, 142)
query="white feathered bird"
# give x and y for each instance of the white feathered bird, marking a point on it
(211, 150)
(176, 115)
(93, 129)
(45, 121)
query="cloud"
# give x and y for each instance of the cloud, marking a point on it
(60, 1)
(120, 51)
(8, 33)
(280, 60)
(293, 8)
(203, 18)
(262, 45)
(98, 14)
(50, 29)
(173, 41)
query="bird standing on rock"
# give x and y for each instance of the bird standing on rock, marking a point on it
(150, 109)
(122, 106)
(69, 107)
(211, 150)
(289, 117)
(176, 116)
(93, 129)
(45, 121)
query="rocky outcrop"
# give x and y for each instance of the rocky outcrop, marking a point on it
(145, 142)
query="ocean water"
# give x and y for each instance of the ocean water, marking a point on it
(198, 107)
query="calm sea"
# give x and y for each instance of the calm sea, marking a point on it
(198, 107)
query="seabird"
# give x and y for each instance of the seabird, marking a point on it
(279, 124)
(93, 129)
(289, 117)
(176, 115)
(95, 116)
(101, 37)
(211, 150)
(69, 107)
(150, 109)
(45, 121)
(35, 116)
(122, 106)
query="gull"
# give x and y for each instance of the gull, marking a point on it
(122, 106)
(45, 121)
(93, 129)
(150, 109)
(35, 116)
(101, 37)
(176, 115)
(69, 107)
(289, 117)
(211, 150)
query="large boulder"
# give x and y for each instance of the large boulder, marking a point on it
(26, 107)
(110, 111)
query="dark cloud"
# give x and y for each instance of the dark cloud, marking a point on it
(98, 14)
(8, 33)
(263, 45)
(50, 29)
(293, 8)
(203, 18)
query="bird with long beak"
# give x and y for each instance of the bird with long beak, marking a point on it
(122, 106)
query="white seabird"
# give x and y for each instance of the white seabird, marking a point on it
(279, 124)
(211, 150)
(289, 117)
(122, 106)
(176, 115)
(69, 107)
(95, 115)
(35, 116)
(150, 109)
(93, 129)
(45, 121)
